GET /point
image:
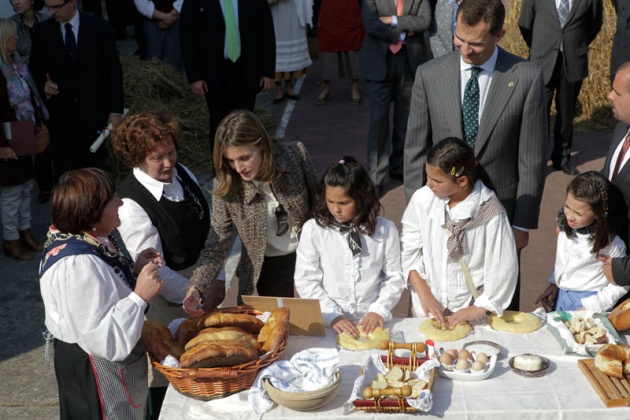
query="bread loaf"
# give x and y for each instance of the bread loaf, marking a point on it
(620, 316)
(246, 322)
(610, 360)
(215, 329)
(187, 330)
(219, 336)
(159, 342)
(275, 329)
(229, 353)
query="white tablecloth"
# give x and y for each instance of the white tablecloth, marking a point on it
(564, 393)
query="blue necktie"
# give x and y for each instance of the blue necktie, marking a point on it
(71, 42)
(470, 108)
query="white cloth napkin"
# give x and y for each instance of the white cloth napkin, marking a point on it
(308, 370)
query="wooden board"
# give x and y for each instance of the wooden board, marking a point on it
(305, 318)
(613, 392)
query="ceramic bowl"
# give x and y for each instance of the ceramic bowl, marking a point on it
(304, 401)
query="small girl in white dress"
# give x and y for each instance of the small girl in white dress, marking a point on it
(349, 256)
(457, 218)
(586, 229)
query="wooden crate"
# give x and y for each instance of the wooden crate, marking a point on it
(613, 392)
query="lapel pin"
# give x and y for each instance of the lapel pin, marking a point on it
(511, 84)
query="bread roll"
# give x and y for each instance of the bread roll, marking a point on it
(620, 316)
(187, 330)
(159, 342)
(229, 353)
(275, 329)
(246, 322)
(610, 359)
(219, 336)
(215, 329)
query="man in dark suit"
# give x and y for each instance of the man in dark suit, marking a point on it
(510, 138)
(75, 63)
(558, 34)
(229, 79)
(393, 48)
(620, 52)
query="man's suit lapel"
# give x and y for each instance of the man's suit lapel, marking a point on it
(574, 7)
(503, 85)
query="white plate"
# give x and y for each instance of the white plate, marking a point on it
(490, 348)
(469, 376)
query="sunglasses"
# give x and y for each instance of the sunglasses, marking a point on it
(282, 217)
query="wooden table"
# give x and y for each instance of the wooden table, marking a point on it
(564, 393)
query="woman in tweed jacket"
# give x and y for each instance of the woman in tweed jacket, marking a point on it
(265, 189)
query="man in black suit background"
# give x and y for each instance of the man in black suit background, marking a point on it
(228, 74)
(75, 63)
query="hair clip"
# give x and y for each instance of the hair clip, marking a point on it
(461, 171)
(341, 162)
(453, 171)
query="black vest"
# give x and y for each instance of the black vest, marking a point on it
(183, 226)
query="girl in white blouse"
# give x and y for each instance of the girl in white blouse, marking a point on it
(586, 229)
(453, 224)
(348, 256)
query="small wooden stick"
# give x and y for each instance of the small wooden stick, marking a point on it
(403, 391)
(420, 347)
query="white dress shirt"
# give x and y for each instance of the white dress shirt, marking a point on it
(484, 77)
(75, 27)
(345, 285)
(578, 269)
(277, 246)
(615, 156)
(491, 255)
(87, 303)
(138, 232)
(147, 7)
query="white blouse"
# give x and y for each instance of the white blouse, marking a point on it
(138, 232)
(345, 285)
(491, 256)
(87, 303)
(578, 269)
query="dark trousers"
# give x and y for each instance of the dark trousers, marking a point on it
(276, 276)
(44, 170)
(78, 392)
(396, 87)
(566, 99)
(515, 303)
(71, 145)
(233, 95)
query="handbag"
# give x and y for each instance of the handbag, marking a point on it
(21, 137)
(42, 138)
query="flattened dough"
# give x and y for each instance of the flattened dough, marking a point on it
(363, 341)
(515, 322)
(432, 330)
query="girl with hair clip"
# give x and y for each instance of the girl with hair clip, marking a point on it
(349, 256)
(458, 248)
(587, 226)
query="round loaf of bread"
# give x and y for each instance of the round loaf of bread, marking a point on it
(515, 322)
(620, 316)
(219, 353)
(434, 331)
(363, 341)
(610, 359)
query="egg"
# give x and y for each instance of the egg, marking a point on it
(446, 359)
(462, 364)
(481, 357)
(477, 366)
(464, 354)
(452, 352)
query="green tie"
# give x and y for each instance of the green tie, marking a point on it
(231, 31)
(470, 108)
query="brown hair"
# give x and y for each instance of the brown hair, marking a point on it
(138, 134)
(238, 129)
(80, 198)
(491, 11)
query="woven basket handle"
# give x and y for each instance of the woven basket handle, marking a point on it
(226, 372)
(420, 347)
(403, 391)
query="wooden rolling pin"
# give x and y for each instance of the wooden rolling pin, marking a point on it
(403, 391)
(420, 347)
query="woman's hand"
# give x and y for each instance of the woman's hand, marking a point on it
(149, 255)
(7, 153)
(149, 282)
(191, 302)
(342, 324)
(466, 314)
(548, 298)
(371, 321)
(432, 307)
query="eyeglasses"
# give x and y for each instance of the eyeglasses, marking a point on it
(56, 7)
(282, 216)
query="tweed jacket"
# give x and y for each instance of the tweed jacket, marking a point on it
(295, 188)
(512, 138)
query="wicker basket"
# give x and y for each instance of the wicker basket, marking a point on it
(212, 383)
(400, 404)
